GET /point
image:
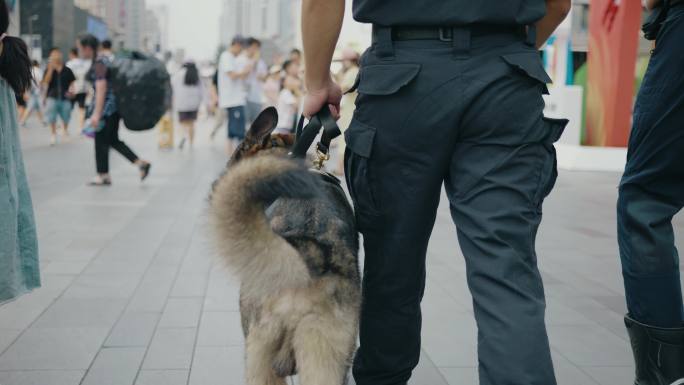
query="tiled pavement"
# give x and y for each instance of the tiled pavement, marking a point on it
(132, 295)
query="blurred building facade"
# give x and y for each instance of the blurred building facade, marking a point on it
(274, 22)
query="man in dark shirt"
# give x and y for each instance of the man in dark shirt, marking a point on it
(59, 79)
(449, 93)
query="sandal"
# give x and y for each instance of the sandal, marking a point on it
(145, 171)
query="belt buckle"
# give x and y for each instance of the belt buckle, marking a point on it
(446, 34)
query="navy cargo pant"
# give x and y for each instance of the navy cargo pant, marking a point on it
(652, 188)
(466, 113)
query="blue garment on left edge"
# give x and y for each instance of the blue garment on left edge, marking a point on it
(18, 242)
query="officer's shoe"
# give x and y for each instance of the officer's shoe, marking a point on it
(658, 353)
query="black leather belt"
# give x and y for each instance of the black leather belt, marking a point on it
(446, 33)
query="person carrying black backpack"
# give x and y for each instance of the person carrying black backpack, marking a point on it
(105, 118)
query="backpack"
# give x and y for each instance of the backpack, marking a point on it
(142, 89)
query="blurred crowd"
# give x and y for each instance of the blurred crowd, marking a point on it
(243, 83)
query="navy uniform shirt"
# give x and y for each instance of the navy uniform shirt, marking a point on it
(448, 12)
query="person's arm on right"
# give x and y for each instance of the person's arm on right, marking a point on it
(650, 4)
(556, 11)
(321, 25)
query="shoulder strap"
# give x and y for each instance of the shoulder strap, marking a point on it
(305, 135)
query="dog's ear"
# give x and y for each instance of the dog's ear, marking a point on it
(262, 127)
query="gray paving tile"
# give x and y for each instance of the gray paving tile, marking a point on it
(153, 291)
(460, 376)
(162, 377)
(569, 374)
(7, 337)
(64, 267)
(77, 313)
(54, 349)
(133, 329)
(103, 285)
(171, 349)
(190, 284)
(223, 292)
(115, 366)
(218, 366)
(220, 329)
(181, 313)
(611, 375)
(20, 313)
(590, 346)
(450, 339)
(426, 373)
(41, 377)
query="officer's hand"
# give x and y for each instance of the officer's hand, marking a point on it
(330, 94)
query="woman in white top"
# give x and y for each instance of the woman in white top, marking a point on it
(188, 92)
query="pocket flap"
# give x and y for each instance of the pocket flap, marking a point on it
(359, 138)
(386, 79)
(556, 128)
(529, 63)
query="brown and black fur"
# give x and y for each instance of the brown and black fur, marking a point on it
(291, 238)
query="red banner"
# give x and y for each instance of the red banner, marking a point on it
(613, 39)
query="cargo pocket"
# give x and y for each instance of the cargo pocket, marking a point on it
(385, 79)
(529, 65)
(359, 175)
(549, 168)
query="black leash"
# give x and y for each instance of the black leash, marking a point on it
(305, 135)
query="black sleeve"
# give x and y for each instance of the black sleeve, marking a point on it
(70, 75)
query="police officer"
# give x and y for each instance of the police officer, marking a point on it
(651, 193)
(449, 93)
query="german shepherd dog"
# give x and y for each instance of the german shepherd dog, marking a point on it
(290, 237)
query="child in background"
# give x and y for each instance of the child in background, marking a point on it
(289, 98)
(272, 86)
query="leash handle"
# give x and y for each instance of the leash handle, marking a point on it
(305, 135)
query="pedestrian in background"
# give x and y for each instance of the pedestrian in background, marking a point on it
(255, 80)
(289, 98)
(233, 70)
(19, 271)
(451, 95)
(59, 80)
(188, 93)
(346, 78)
(80, 68)
(272, 85)
(34, 103)
(651, 193)
(104, 117)
(106, 49)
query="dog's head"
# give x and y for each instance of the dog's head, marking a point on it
(260, 140)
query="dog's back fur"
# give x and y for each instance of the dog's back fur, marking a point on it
(290, 237)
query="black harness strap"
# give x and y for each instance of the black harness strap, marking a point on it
(305, 135)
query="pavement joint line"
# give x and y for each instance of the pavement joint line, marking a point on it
(176, 275)
(130, 298)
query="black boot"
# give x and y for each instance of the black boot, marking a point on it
(658, 353)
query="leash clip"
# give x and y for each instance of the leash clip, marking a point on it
(321, 158)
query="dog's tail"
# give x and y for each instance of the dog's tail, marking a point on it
(238, 203)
